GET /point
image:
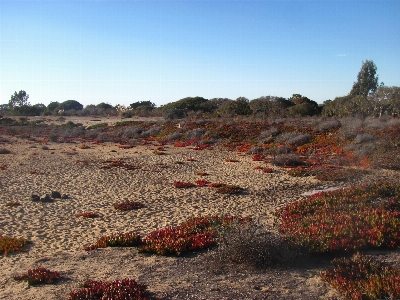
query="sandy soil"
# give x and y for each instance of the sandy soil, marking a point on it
(58, 235)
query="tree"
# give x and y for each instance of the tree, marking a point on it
(70, 104)
(29, 110)
(50, 109)
(4, 108)
(242, 107)
(386, 100)
(367, 80)
(303, 106)
(18, 99)
(143, 105)
(104, 106)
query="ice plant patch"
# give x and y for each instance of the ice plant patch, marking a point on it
(129, 239)
(183, 185)
(88, 214)
(201, 183)
(11, 244)
(13, 203)
(39, 275)
(345, 220)
(128, 205)
(125, 289)
(194, 234)
(361, 277)
(230, 189)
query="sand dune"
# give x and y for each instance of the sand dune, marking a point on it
(58, 235)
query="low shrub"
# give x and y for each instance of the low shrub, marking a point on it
(268, 170)
(53, 138)
(249, 245)
(202, 173)
(128, 205)
(176, 240)
(328, 125)
(299, 139)
(125, 289)
(231, 160)
(287, 160)
(338, 174)
(13, 203)
(345, 220)
(96, 126)
(88, 214)
(11, 244)
(216, 184)
(254, 150)
(4, 151)
(230, 189)
(201, 183)
(258, 157)
(129, 239)
(195, 234)
(39, 275)
(361, 277)
(363, 137)
(183, 185)
(387, 160)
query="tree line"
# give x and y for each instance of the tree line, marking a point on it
(367, 97)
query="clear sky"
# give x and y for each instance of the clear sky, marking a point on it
(120, 52)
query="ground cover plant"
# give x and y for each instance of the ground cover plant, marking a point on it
(39, 275)
(195, 234)
(128, 205)
(229, 189)
(327, 172)
(129, 239)
(125, 289)
(363, 278)
(13, 203)
(202, 173)
(88, 214)
(12, 244)
(118, 163)
(345, 220)
(201, 183)
(183, 185)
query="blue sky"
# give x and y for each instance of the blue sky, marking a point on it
(120, 52)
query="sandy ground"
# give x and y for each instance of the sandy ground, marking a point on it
(58, 235)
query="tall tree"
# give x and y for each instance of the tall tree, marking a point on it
(18, 99)
(367, 80)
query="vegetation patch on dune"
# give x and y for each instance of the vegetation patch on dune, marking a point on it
(38, 276)
(195, 234)
(362, 277)
(129, 239)
(345, 220)
(118, 289)
(12, 244)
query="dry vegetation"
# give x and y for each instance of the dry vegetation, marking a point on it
(341, 226)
